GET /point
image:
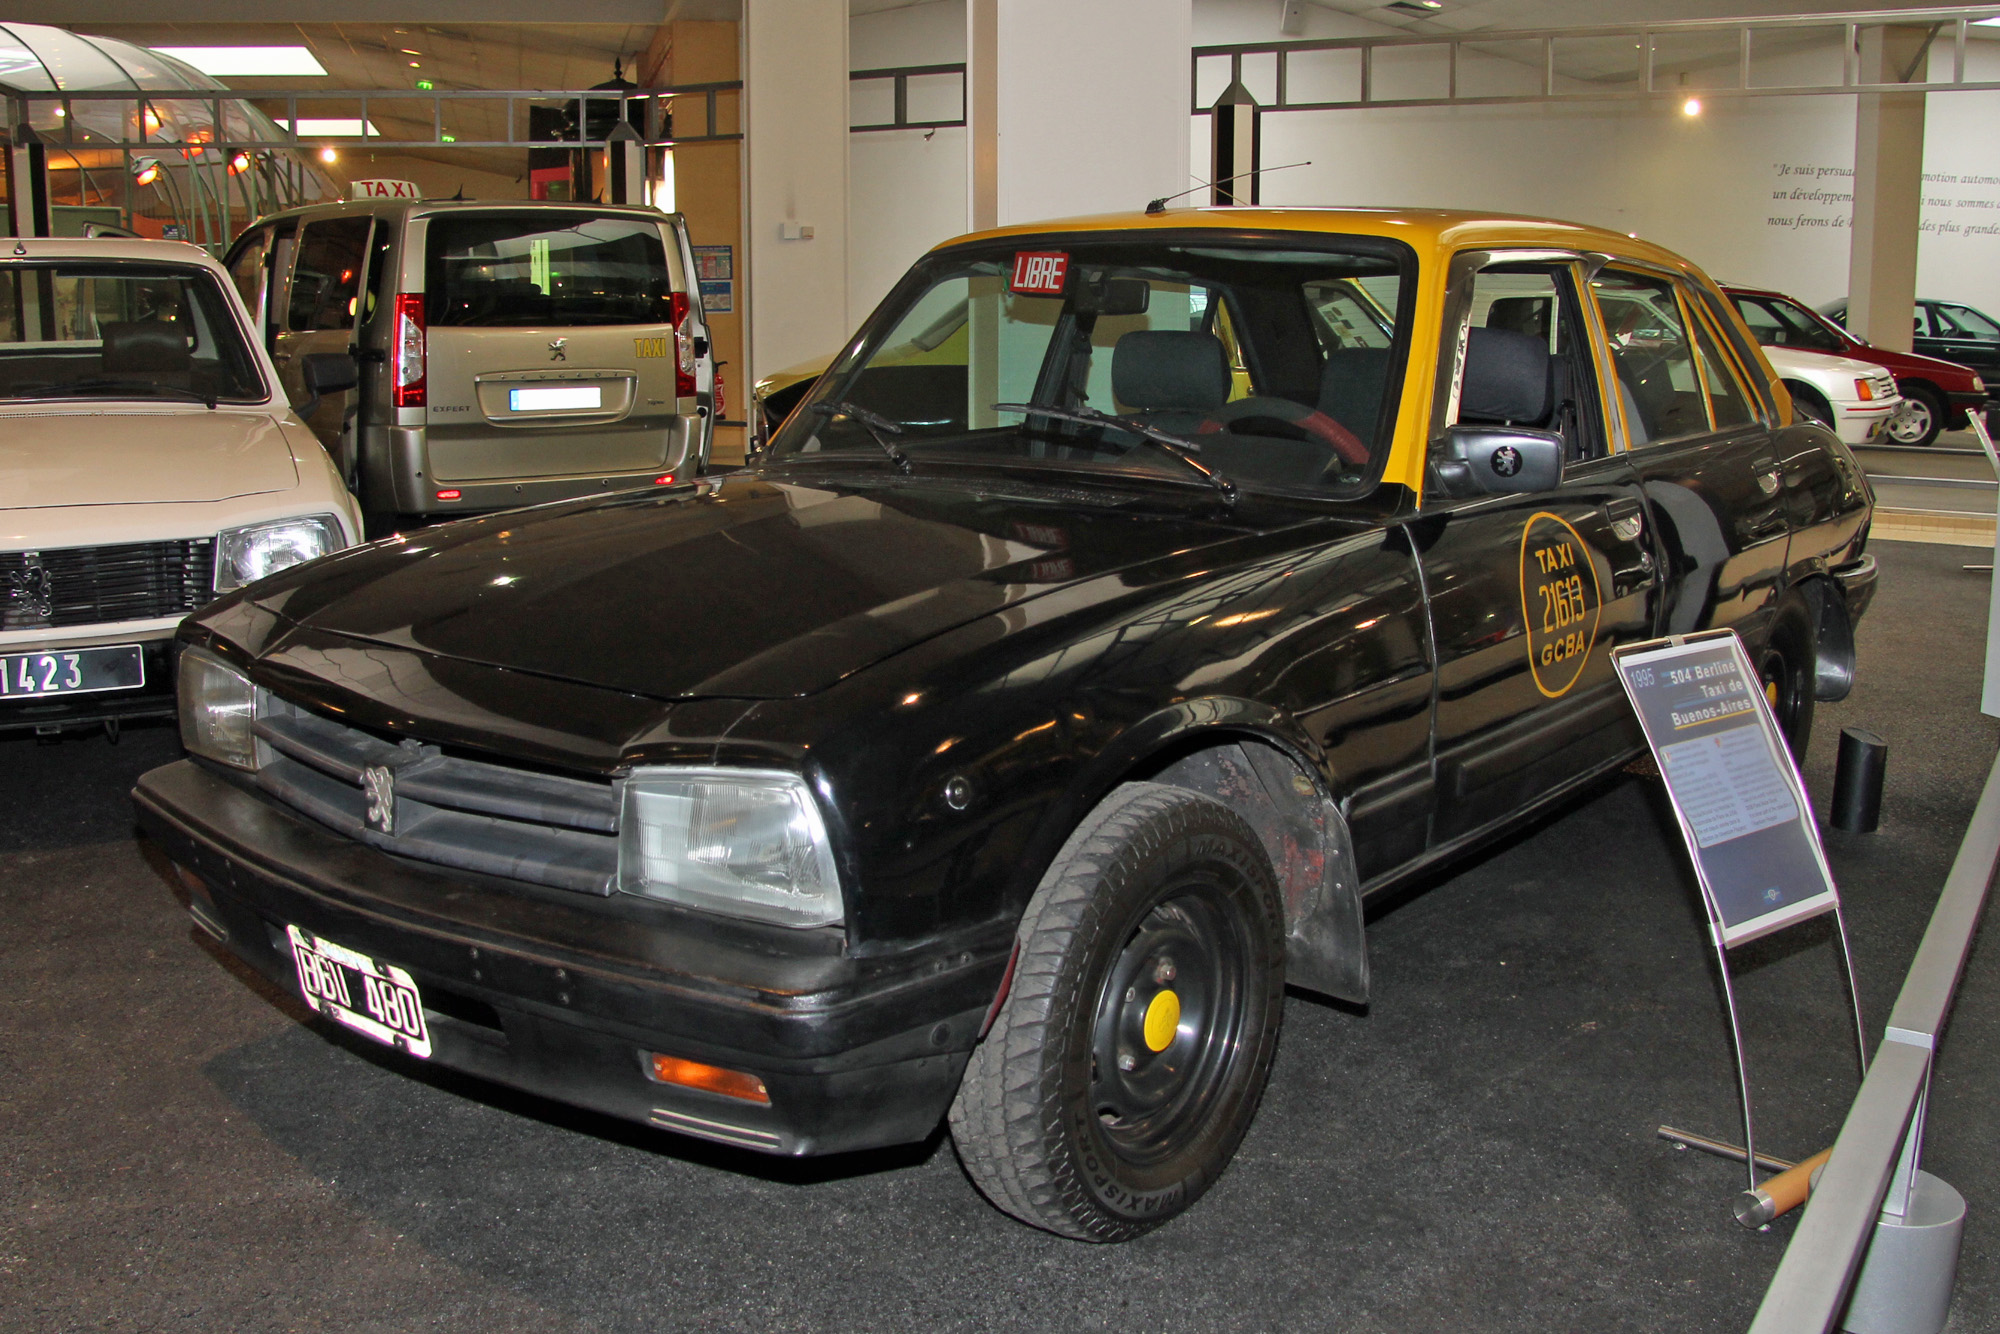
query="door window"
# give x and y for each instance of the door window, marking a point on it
(246, 269)
(1527, 361)
(326, 277)
(1921, 324)
(1659, 391)
(1963, 322)
(1728, 404)
(1781, 324)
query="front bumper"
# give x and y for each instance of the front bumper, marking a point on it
(557, 995)
(56, 713)
(1858, 423)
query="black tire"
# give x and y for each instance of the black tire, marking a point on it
(1810, 404)
(1089, 1109)
(1921, 418)
(1788, 667)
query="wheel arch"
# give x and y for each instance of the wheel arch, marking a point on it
(1256, 761)
(1803, 392)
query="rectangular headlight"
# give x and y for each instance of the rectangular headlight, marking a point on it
(245, 555)
(217, 705)
(746, 842)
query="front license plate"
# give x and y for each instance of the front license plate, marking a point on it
(377, 1000)
(77, 671)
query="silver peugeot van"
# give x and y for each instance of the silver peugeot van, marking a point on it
(508, 352)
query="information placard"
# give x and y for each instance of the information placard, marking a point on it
(1734, 788)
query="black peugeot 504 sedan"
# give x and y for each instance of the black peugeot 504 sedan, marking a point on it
(1131, 600)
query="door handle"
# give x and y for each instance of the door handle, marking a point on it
(1769, 476)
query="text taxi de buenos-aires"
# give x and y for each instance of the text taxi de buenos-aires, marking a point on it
(1129, 601)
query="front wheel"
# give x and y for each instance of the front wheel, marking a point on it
(1131, 1052)
(1920, 418)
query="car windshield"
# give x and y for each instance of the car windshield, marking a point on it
(541, 267)
(115, 330)
(1270, 367)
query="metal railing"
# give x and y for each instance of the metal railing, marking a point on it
(902, 74)
(1875, 1157)
(657, 106)
(1547, 45)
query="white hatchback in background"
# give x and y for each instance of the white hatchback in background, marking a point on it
(148, 461)
(1855, 399)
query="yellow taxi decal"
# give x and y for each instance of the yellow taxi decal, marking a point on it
(1560, 601)
(652, 347)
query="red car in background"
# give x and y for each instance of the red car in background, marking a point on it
(1937, 395)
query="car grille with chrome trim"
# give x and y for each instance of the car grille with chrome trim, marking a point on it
(1882, 384)
(412, 800)
(135, 581)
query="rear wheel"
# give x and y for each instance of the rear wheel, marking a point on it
(1788, 666)
(1132, 1050)
(1921, 417)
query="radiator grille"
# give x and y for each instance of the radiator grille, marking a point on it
(135, 581)
(414, 801)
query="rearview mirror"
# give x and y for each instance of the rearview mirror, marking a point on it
(1501, 460)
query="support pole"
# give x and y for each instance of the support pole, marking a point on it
(1888, 189)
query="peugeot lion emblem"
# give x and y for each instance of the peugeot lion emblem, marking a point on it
(380, 782)
(31, 592)
(557, 350)
(1506, 460)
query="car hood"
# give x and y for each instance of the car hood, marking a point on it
(64, 457)
(760, 587)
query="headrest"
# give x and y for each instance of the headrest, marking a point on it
(1506, 378)
(145, 347)
(1523, 314)
(1156, 369)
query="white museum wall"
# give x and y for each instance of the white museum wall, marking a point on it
(906, 188)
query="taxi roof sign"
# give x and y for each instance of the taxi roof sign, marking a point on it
(384, 190)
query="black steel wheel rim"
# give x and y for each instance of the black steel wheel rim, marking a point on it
(1187, 958)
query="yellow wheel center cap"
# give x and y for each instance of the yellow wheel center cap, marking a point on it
(1163, 1020)
(1771, 692)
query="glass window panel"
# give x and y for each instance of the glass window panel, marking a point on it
(1657, 386)
(1728, 404)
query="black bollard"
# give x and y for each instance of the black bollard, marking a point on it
(1857, 780)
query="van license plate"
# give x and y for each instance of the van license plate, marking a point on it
(374, 999)
(71, 672)
(567, 398)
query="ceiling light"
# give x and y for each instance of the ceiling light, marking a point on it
(307, 128)
(145, 170)
(1691, 107)
(257, 60)
(60, 113)
(329, 156)
(1987, 23)
(408, 52)
(415, 65)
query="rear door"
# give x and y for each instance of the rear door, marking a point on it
(1967, 337)
(553, 349)
(1712, 466)
(321, 310)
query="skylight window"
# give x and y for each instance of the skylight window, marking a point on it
(220, 61)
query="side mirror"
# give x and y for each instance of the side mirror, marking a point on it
(1501, 460)
(326, 373)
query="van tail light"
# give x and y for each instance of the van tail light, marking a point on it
(677, 311)
(409, 351)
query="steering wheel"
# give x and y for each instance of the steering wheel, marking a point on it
(1311, 423)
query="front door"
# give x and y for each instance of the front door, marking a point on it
(1530, 593)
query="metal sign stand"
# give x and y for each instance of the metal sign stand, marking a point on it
(1742, 810)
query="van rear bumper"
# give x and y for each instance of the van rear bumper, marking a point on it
(416, 492)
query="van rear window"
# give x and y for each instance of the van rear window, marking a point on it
(511, 269)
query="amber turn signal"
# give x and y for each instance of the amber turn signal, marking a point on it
(710, 1079)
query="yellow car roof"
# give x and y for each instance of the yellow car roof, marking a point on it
(1421, 228)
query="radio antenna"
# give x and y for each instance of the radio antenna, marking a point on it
(1160, 205)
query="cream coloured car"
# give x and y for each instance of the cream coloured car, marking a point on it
(1856, 400)
(148, 462)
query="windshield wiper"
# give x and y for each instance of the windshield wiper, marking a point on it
(1179, 447)
(872, 422)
